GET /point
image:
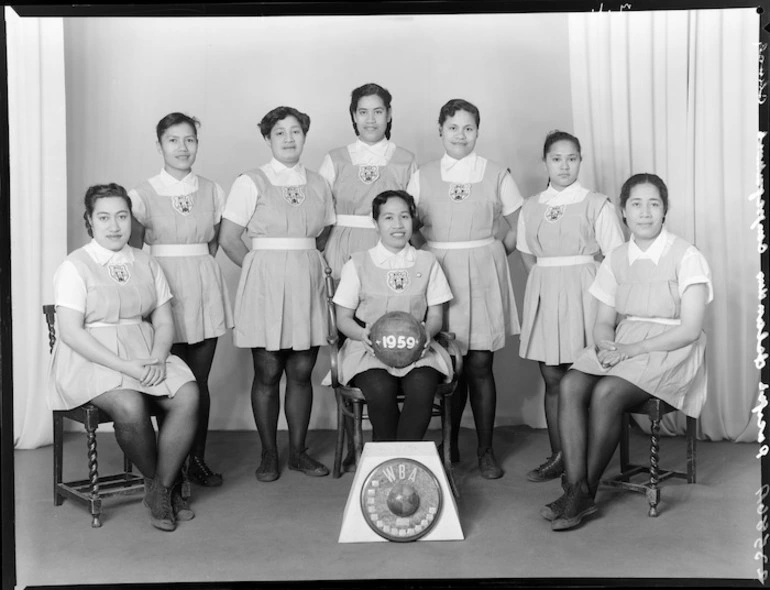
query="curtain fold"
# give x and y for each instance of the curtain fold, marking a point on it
(38, 148)
(674, 93)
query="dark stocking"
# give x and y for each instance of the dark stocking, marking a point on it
(199, 357)
(611, 397)
(265, 402)
(380, 390)
(299, 395)
(477, 367)
(177, 432)
(574, 398)
(552, 375)
(419, 387)
(133, 429)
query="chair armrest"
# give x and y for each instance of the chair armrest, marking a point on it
(448, 341)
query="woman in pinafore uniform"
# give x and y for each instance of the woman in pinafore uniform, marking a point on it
(657, 287)
(360, 171)
(280, 307)
(560, 232)
(368, 290)
(115, 334)
(177, 213)
(459, 199)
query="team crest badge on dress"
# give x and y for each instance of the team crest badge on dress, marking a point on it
(368, 174)
(398, 280)
(459, 192)
(119, 273)
(554, 214)
(183, 203)
(294, 195)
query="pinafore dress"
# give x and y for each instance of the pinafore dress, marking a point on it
(354, 189)
(201, 303)
(115, 292)
(646, 294)
(559, 312)
(280, 301)
(384, 290)
(483, 311)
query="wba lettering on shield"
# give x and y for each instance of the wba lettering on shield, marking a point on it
(398, 280)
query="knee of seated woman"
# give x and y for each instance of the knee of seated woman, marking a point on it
(186, 397)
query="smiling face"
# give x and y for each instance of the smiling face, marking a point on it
(371, 118)
(179, 147)
(459, 133)
(111, 222)
(562, 163)
(644, 212)
(286, 141)
(394, 224)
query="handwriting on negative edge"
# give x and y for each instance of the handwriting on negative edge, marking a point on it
(621, 8)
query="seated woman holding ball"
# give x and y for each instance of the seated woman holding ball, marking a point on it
(392, 276)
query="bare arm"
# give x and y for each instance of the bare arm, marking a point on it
(418, 240)
(509, 240)
(231, 242)
(72, 332)
(322, 238)
(529, 260)
(347, 324)
(214, 243)
(137, 234)
(692, 312)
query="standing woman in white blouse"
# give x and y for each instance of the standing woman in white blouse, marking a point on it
(280, 307)
(177, 213)
(115, 334)
(459, 199)
(561, 233)
(360, 171)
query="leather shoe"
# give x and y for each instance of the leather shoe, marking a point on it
(553, 510)
(578, 505)
(551, 469)
(200, 473)
(307, 465)
(268, 468)
(488, 465)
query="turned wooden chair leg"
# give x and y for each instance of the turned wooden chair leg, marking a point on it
(446, 439)
(95, 501)
(58, 457)
(691, 422)
(358, 430)
(653, 492)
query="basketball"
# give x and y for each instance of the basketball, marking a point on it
(397, 339)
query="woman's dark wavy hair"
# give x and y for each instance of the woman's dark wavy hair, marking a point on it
(175, 119)
(370, 89)
(558, 135)
(279, 114)
(101, 191)
(458, 104)
(644, 178)
(382, 198)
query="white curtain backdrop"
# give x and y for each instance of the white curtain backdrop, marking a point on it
(37, 125)
(675, 93)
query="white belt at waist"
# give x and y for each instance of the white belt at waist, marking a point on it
(179, 249)
(665, 321)
(283, 244)
(461, 245)
(120, 322)
(564, 260)
(360, 221)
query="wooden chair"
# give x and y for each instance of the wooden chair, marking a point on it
(655, 409)
(90, 491)
(351, 401)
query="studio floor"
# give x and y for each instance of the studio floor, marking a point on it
(287, 530)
